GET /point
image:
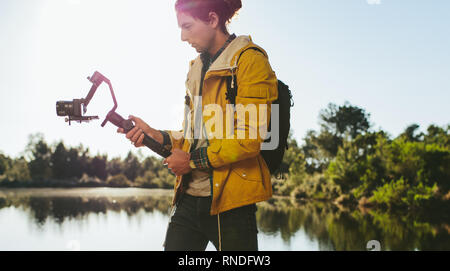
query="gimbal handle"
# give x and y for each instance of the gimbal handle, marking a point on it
(127, 125)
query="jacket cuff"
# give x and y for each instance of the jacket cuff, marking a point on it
(167, 143)
(199, 159)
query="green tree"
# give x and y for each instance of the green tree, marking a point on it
(346, 168)
(60, 163)
(290, 154)
(5, 163)
(119, 180)
(410, 133)
(437, 135)
(147, 180)
(400, 172)
(97, 167)
(39, 155)
(84, 161)
(75, 163)
(419, 162)
(18, 171)
(164, 179)
(338, 123)
(319, 150)
(114, 166)
(344, 120)
(402, 194)
(151, 163)
(131, 167)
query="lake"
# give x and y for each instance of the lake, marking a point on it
(134, 219)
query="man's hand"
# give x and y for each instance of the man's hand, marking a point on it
(178, 162)
(136, 135)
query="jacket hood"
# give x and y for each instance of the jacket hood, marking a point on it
(228, 58)
(227, 61)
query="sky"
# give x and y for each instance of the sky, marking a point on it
(389, 57)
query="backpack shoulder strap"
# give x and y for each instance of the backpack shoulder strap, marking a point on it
(232, 87)
(250, 48)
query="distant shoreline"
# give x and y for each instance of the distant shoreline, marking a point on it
(84, 191)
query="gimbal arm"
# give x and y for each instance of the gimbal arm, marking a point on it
(96, 79)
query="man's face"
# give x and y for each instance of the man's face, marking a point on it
(197, 33)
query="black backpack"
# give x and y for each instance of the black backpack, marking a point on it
(274, 157)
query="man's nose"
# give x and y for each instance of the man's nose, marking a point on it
(183, 36)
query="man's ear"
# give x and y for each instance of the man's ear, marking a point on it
(213, 19)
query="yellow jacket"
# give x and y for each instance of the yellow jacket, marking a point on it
(240, 174)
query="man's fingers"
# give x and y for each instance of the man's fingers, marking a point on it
(120, 131)
(139, 141)
(136, 136)
(131, 133)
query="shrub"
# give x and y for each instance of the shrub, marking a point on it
(119, 180)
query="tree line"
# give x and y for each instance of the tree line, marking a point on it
(346, 161)
(61, 166)
(349, 162)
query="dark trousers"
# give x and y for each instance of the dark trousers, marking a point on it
(191, 227)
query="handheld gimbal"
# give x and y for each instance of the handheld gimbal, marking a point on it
(72, 109)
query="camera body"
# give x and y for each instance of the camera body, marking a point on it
(72, 110)
(69, 108)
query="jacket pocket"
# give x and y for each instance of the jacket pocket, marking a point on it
(259, 92)
(248, 169)
(215, 146)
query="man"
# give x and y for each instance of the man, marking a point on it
(220, 174)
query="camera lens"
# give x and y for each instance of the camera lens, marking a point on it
(69, 108)
(63, 108)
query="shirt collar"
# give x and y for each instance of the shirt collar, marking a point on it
(206, 57)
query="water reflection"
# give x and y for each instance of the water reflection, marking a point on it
(337, 228)
(62, 206)
(325, 225)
